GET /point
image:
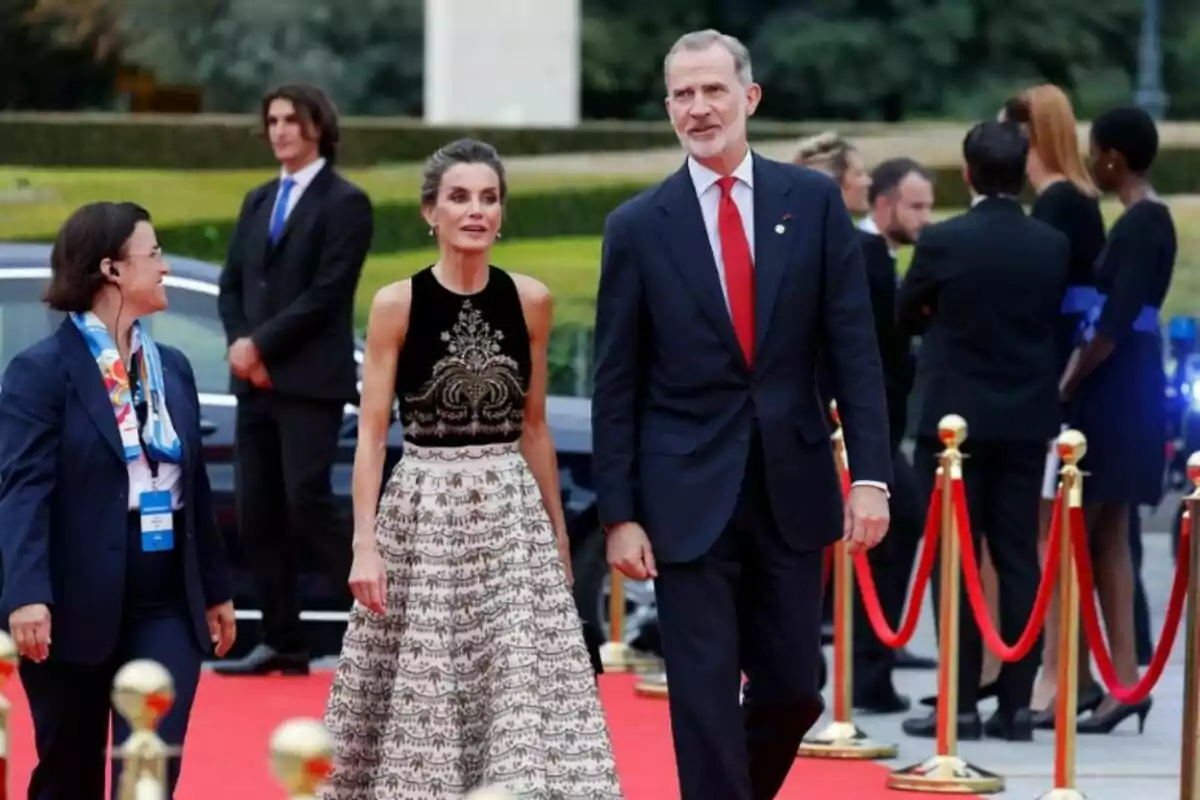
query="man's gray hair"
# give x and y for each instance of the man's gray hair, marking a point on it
(702, 40)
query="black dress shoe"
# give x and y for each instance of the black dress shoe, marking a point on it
(1014, 726)
(1089, 700)
(1107, 721)
(265, 660)
(969, 727)
(907, 660)
(826, 633)
(888, 701)
(985, 692)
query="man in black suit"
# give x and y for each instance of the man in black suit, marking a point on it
(287, 304)
(714, 470)
(985, 288)
(901, 202)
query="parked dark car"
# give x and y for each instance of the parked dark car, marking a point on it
(192, 324)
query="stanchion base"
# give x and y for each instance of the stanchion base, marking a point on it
(620, 657)
(651, 686)
(946, 775)
(1063, 794)
(844, 740)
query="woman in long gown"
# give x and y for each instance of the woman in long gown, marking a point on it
(463, 664)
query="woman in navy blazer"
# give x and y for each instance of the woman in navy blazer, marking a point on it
(110, 546)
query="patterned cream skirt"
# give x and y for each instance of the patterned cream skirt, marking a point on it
(477, 675)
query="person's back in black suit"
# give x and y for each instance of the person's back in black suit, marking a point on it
(287, 304)
(985, 288)
(901, 202)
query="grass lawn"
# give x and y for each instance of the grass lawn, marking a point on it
(569, 266)
(34, 202)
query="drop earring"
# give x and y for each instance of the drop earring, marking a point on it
(431, 230)
(498, 234)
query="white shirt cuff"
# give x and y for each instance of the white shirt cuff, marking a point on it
(876, 484)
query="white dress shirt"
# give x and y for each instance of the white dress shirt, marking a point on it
(302, 179)
(141, 479)
(709, 194)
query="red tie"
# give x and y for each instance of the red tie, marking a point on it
(739, 267)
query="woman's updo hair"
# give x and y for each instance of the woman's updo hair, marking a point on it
(461, 151)
(1129, 131)
(826, 152)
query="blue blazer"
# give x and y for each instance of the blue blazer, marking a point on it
(64, 497)
(675, 402)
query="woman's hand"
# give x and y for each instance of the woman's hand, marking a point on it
(30, 627)
(222, 627)
(564, 555)
(368, 580)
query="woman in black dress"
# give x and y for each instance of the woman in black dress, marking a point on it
(1067, 199)
(1115, 380)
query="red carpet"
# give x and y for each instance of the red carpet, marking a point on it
(226, 754)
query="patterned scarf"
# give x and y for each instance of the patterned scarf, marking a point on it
(158, 433)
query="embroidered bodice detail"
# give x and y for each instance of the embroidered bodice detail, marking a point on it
(464, 370)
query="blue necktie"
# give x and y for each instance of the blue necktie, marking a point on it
(279, 216)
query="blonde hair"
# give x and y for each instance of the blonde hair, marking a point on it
(1045, 114)
(826, 152)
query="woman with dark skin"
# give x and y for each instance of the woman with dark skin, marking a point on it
(1114, 381)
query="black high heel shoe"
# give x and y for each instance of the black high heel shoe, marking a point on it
(1107, 721)
(1089, 700)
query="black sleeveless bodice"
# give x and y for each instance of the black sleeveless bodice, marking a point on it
(464, 370)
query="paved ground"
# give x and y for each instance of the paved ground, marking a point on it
(1114, 767)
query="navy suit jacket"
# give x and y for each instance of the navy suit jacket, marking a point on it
(675, 402)
(64, 497)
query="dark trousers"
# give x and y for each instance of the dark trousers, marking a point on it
(1003, 482)
(285, 453)
(892, 565)
(752, 605)
(71, 704)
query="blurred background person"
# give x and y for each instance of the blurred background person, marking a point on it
(465, 638)
(900, 196)
(839, 159)
(1067, 200)
(287, 305)
(985, 288)
(1115, 382)
(110, 546)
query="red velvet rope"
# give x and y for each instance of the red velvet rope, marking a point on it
(1128, 695)
(974, 587)
(912, 613)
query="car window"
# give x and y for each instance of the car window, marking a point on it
(24, 318)
(191, 324)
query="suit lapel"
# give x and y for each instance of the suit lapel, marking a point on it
(690, 253)
(258, 240)
(772, 237)
(181, 408)
(89, 385)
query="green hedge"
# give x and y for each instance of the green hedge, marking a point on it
(234, 141)
(574, 211)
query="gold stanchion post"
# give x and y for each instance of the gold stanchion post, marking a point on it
(841, 738)
(946, 772)
(8, 665)
(1071, 445)
(301, 757)
(143, 693)
(1189, 769)
(616, 655)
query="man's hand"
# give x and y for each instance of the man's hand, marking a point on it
(222, 627)
(866, 518)
(243, 357)
(30, 628)
(259, 377)
(628, 549)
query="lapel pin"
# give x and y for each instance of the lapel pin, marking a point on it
(779, 228)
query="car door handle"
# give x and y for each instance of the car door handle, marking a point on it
(207, 427)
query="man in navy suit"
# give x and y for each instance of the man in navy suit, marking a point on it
(714, 468)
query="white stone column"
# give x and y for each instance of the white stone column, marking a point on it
(502, 62)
